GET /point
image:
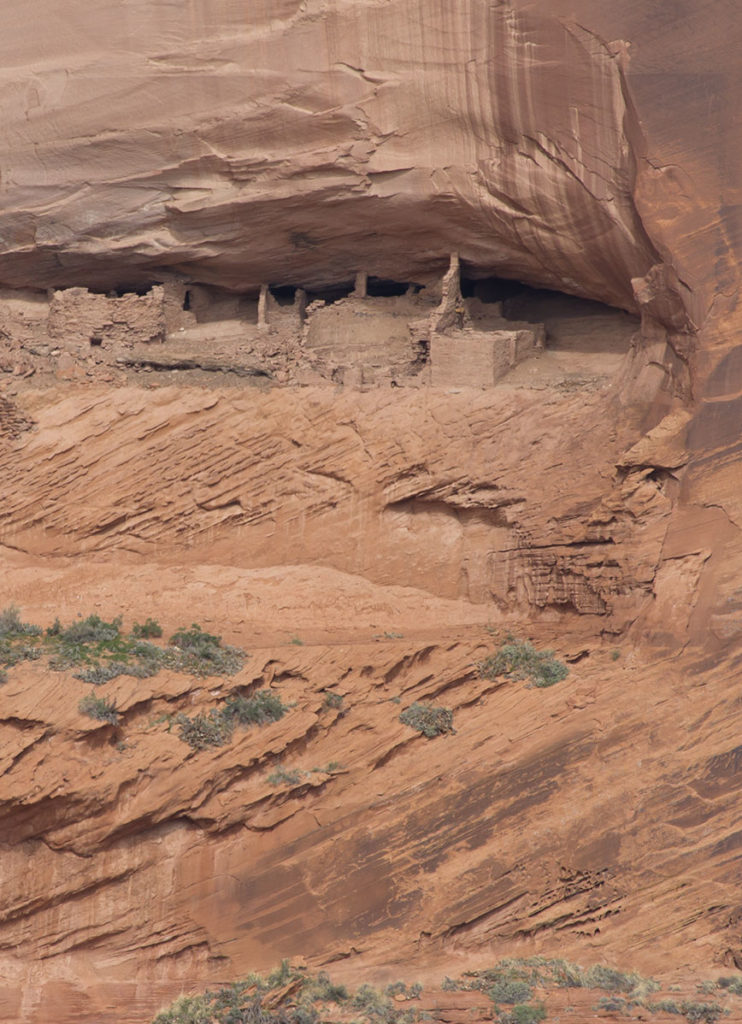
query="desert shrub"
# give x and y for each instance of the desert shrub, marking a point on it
(259, 709)
(510, 991)
(539, 970)
(92, 643)
(212, 729)
(92, 630)
(99, 674)
(328, 769)
(664, 1006)
(14, 638)
(195, 639)
(281, 975)
(429, 720)
(14, 650)
(100, 651)
(609, 978)
(281, 776)
(100, 708)
(241, 1004)
(701, 1013)
(565, 974)
(614, 1004)
(148, 660)
(523, 1014)
(325, 991)
(104, 652)
(187, 1010)
(503, 980)
(3, 676)
(216, 727)
(398, 988)
(519, 659)
(332, 699)
(11, 624)
(200, 653)
(148, 630)
(731, 984)
(373, 1004)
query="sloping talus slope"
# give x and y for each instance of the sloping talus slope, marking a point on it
(384, 530)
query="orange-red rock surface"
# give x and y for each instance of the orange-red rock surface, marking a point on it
(364, 541)
(384, 530)
(298, 142)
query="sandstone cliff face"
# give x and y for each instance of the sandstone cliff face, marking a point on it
(358, 543)
(422, 489)
(588, 147)
(310, 140)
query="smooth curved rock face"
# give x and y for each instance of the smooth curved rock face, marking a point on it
(298, 143)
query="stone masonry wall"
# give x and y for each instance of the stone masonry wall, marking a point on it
(80, 319)
(471, 358)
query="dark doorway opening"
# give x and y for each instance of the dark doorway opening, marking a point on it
(284, 294)
(379, 287)
(131, 289)
(490, 289)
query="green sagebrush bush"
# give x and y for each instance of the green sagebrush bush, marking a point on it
(519, 659)
(431, 721)
(100, 708)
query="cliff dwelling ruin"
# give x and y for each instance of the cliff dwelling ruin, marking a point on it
(459, 331)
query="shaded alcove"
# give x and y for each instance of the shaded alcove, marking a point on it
(284, 294)
(331, 294)
(379, 287)
(489, 289)
(209, 304)
(125, 289)
(572, 324)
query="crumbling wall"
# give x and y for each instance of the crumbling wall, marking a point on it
(277, 316)
(431, 335)
(471, 358)
(368, 335)
(79, 318)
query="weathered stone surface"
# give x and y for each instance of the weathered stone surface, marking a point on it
(384, 484)
(344, 520)
(79, 319)
(478, 358)
(590, 147)
(304, 143)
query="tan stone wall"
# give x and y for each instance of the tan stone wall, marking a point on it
(477, 358)
(369, 335)
(78, 317)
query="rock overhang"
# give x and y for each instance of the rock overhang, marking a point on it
(305, 144)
